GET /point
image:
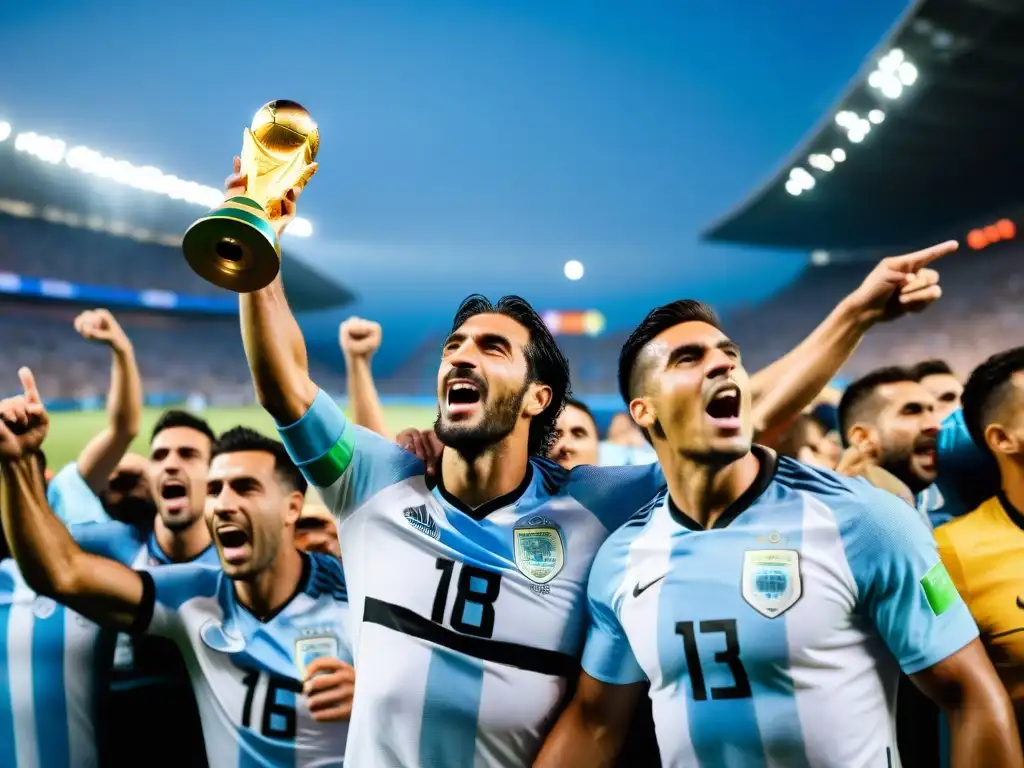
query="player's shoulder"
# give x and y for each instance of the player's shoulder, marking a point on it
(978, 523)
(179, 582)
(612, 494)
(326, 577)
(610, 562)
(112, 539)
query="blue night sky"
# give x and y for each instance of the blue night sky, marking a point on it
(467, 146)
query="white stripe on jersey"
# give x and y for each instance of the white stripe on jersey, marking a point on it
(19, 660)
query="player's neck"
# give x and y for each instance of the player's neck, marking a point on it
(497, 471)
(1012, 475)
(183, 545)
(702, 491)
(270, 590)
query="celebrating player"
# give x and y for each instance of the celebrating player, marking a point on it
(758, 595)
(463, 651)
(251, 633)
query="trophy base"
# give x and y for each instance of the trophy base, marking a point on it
(234, 247)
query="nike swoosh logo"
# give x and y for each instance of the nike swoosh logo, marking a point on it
(638, 590)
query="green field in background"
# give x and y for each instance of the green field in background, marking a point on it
(71, 430)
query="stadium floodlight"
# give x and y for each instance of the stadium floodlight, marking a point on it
(856, 136)
(145, 177)
(821, 162)
(802, 178)
(573, 269)
(793, 188)
(846, 119)
(839, 154)
(907, 73)
(894, 73)
(876, 116)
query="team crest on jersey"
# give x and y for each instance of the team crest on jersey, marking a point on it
(312, 645)
(216, 637)
(43, 607)
(421, 519)
(771, 580)
(539, 549)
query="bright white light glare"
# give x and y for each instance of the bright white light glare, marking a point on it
(907, 73)
(891, 61)
(47, 149)
(793, 188)
(821, 162)
(846, 118)
(573, 269)
(144, 177)
(839, 154)
(802, 177)
(892, 89)
(876, 116)
(855, 136)
(877, 78)
(300, 227)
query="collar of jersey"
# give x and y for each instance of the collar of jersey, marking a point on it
(155, 552)
(479, 513)
(301, 588)
(1015, 515)
(769, 462)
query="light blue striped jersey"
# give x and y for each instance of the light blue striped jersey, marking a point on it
(139, 661)
(468, 624)
(52, 679)
(72, 500)
(776, 637)
(247, 674)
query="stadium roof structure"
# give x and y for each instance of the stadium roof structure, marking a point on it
(925, 140)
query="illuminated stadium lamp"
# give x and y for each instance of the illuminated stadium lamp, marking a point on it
(802, 177)
(1006, 228)
(573, 269)
(839, 154)
(821, 162)
(794, 188)
(5, 130)
(146, 178)
(907, 73)
(847, 119)
(856, 136)
(876, 116)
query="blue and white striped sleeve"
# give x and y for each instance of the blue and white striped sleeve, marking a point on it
(72, 500)
(901, 583)
(607, 655)
(347, 463)
(166, 589)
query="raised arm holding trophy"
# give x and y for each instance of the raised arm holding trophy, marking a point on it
(236, 245)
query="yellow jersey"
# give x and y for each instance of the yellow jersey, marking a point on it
(984, 554)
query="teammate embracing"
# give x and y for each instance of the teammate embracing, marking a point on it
(253, 632)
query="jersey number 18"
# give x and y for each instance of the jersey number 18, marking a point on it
(475, 593)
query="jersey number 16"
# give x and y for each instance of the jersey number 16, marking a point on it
(475, 593)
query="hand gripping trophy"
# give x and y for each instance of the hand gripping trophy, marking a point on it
(236, 245)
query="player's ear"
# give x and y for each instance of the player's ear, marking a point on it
(538, 398)
(1000, 440)
(863, 436)
(296, 501)
(643, 413)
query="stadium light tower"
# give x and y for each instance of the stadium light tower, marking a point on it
(5, 130)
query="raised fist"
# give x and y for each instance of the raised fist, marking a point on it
(359, 338)
(23, 420)
(99, 325)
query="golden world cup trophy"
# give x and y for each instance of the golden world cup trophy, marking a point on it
(235, 246)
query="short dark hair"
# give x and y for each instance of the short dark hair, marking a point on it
(545, 362)
(572, 402)
(931, 368)
(240, 439)
(858, 395)
(177, 418)
(987, 389)
(658, 320)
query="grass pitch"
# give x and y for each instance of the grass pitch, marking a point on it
(70, 431)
